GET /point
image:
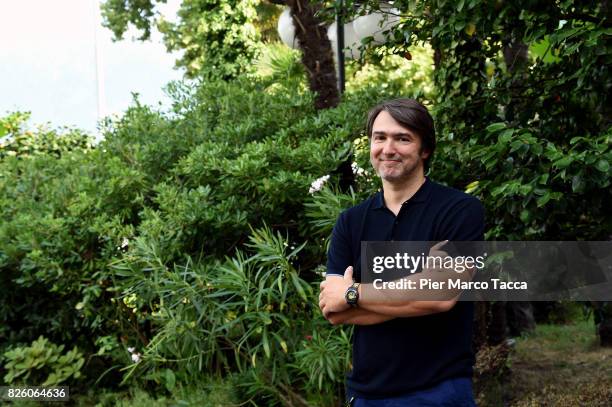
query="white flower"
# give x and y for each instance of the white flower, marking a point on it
(317, 184)
(124, 244)
(534, 119)
(131, 349)
(357, 170)
(136, 357)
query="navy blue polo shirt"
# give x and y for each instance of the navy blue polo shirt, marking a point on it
(408, 354)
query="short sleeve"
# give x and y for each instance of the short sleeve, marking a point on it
(464, 221)
(339, 256)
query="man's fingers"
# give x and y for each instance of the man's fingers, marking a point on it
(438, 245)
(348, 273)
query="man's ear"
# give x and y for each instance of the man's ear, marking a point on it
(425, 153)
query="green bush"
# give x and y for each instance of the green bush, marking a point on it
(190, 242)
(42, 363)
(18, 141)
(116, 247)
(538, 188)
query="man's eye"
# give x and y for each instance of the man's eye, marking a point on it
(404, 139)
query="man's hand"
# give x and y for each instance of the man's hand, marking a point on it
(436, 251)
(333, 289)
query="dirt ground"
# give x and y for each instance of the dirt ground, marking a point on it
(557, 366)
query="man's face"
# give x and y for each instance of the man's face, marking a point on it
(395, 151)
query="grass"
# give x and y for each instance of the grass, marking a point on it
(560, 365)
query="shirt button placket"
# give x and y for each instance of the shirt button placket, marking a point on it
(395, 222)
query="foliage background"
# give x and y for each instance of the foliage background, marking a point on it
(187, 243)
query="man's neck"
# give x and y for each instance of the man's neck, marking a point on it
(396, 193)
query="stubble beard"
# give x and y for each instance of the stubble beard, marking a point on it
(403, 176)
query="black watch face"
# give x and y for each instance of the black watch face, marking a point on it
(351, 295)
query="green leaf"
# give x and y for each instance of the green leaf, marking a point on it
(506, 136)
(577, 183)
(472, 186)
(602, 165)
(330, 372)
(492, 128)
(169, 379)
(543, 199)
(459, 25)
(515, 145)
(525, 215)
(525, 189)
(542, 50)
(563, 162)
(470, 29)
(298, 286)
(266, 343)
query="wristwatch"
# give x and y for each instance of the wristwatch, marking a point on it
(352, 295)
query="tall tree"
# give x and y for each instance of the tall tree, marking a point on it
(317, 54)
(217, 38)
(220, 38)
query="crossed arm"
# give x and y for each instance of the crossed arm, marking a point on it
(356, 316)
(337, 311)
(370, 311)
(363, 316)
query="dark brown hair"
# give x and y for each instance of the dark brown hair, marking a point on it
(412, 115)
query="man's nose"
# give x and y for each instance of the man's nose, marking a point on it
(389, 147)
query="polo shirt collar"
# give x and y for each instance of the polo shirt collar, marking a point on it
(421, 195)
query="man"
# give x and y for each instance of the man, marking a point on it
(409, 353)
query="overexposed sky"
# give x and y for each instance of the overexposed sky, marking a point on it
(48, 63)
